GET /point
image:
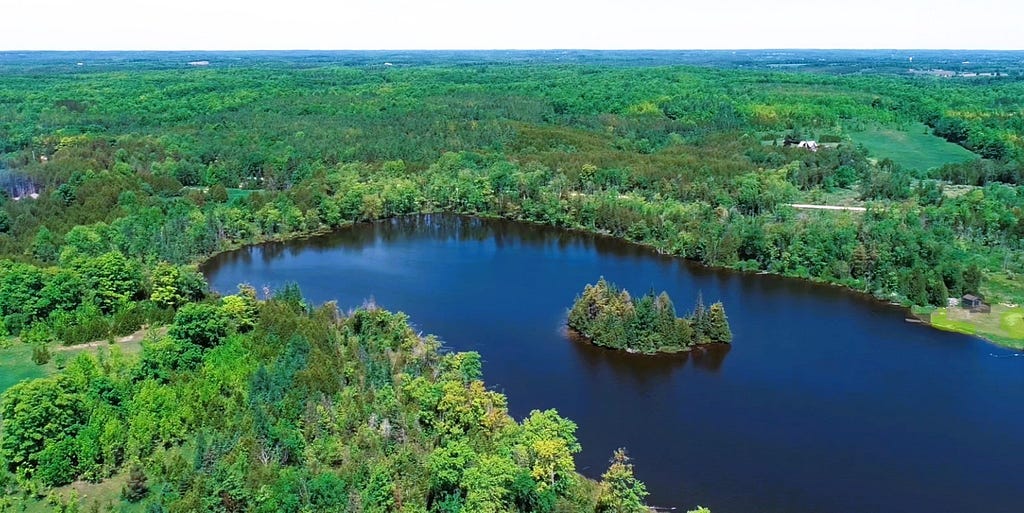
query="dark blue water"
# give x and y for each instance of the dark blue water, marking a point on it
(827, 401)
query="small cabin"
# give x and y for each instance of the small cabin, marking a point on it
(791, 141)
(808, 145)
(970, 301)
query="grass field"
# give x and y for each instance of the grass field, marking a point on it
(913, 147)
(239, 193)
(1004, 325)
(16, 365)
(1001, 288)
(16, 361)
(102, 496)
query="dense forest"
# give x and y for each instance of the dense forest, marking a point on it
(267, 403)
(250, 405)
(608, 316)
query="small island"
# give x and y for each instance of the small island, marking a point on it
(610, 317)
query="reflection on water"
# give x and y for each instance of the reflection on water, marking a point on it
(826, 401)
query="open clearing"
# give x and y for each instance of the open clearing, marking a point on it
(912, 148)
(16, 365)
(1005, 324)
(16, 361)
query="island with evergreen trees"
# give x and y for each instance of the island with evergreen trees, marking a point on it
(610, 317)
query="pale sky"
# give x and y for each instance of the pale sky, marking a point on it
(503, 24)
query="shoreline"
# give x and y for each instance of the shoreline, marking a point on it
(908, 310)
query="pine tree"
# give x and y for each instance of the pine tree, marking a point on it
(699, 320)
(136, 488)
(621, 491)
(718, 324)
(861, 262)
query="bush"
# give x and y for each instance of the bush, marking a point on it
(202, 324)
(85, 324)
(57, 463)
(136, 488)
(40, 355)
(39, 334)
(128, 320)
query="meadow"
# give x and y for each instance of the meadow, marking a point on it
(912, 146)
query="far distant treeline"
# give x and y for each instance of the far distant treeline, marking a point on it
(610, 317)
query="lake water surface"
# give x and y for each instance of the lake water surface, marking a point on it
(827, 401)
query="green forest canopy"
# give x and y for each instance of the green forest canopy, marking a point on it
(273, 405)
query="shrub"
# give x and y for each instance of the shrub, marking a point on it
(40, 355)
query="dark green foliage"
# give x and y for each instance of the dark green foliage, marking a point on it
(202, 324)
(135, 489)
(218, 193)
(57, 462)
(610, 317)
(40, 354)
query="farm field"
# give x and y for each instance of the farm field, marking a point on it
(914, 147)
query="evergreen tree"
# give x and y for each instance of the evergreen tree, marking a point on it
(718, 324)
(610, 317)
(972, 279)
(40, 354)
(136, 488)
(918, 288)
(937, 291)
(621, 491)
(699, 320)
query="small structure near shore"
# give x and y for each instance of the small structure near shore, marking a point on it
(974, 304)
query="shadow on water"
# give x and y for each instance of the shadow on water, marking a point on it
(827, 401)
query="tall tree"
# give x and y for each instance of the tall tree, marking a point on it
(621, 491)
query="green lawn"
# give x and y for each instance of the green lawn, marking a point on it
(1002, 288)
(16, 360)
(913, 147)
(16, 365)
(239, 193)
(940, 319)
(1004, 325)
(103, 496)
(1012, 322)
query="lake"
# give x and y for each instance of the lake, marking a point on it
(827, 401)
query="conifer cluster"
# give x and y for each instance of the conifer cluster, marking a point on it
(610, 317)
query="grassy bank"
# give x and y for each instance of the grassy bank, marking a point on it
(1004, 325)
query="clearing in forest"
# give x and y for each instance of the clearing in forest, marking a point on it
(913, 147)
(1005, 324)
(16, 359)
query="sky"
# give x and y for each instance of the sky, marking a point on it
(502, 24)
